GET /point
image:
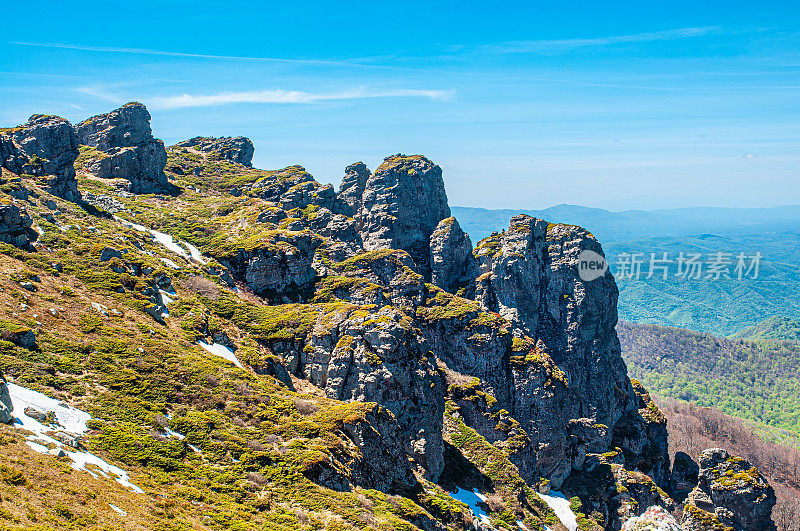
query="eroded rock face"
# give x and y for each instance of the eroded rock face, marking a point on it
(351, 190)
(452, 264)
(237, 149)
(730, 491)
(280, 270)
(376, 357)
(6, 407)
(127, 149)
(529, 276)
(15, 226)
(403, 202)
(685, 475)
(44, 146)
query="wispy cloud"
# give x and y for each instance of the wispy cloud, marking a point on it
(147, 51)
(562, 45)
(101, 93)
(289, 97)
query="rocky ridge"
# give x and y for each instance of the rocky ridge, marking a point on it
(374, 348)
(124, 148)
(234, 149)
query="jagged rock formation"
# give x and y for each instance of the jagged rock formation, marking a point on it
(376, 357)
(234, 149)
(44, 146)
(124, 148)
(403, 202)
(452, 264)
(730, 493)
(281, 269)
(685, 475)
(352, 190)
(15, 226)
(529, 276)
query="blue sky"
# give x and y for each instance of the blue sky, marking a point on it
(610, 104)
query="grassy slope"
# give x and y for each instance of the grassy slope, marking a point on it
(258, 440)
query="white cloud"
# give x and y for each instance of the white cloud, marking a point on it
(288, 97)
(560, 45)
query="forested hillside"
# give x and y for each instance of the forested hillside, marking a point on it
(756, 380)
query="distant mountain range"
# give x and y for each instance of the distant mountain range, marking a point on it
(724, 306)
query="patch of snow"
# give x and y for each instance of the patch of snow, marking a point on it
(117, 509)
(72, 420)
(169, 242)
(195, 449)
(222, 351)
(471, 498)
(165, 296)
(174, 434)
(36, 447)
(197, 256)
(170, 263)
(522, 525)
(99, 308)
(560, 505)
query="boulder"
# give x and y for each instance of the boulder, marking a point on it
(44, 146)
(233, 149)
(125, 148)
(19, 335)
(15, 226)
(108, 253)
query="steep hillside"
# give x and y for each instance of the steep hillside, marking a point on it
(759, 381)
(191, 342)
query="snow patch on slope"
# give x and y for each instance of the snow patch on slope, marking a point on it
(72, 421)
(560, 505)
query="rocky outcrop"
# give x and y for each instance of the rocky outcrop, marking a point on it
(685, 475)
(730, 493)
(124, 148)
(6, 407)
(655, 518)
(20, 336)
(377, 357)
(15, 226)
(44, 146)
(348, 200)
(237, 149)
(564, 326)
(452, 264)
(279, 270)
(403, 202)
